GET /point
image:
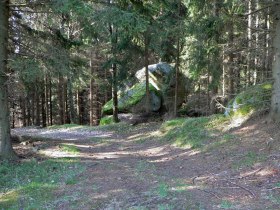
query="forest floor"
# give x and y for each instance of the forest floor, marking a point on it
(133, 167)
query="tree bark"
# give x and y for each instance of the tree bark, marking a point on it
(38, 110)
(146, 61)
(50, 101)
(115, 93)
(61, 101)
(43, 107)
(94, 90)
(177, 66)
(249, 37)
(6, 151)
(72, 113)
(275, 102)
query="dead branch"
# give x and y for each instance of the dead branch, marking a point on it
(244, 188)
(209, 192)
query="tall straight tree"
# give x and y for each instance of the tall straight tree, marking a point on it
(275, 102)
(6, 151)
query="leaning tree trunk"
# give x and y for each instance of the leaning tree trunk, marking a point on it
(6, 151)
(275, 102)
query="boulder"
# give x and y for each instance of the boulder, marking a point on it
(158, 74)
(133, 100)
(162, 89)
(162, 77)
(250, 101)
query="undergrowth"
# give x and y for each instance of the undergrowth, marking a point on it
(107, 120)
(193, 132)
(30, 184)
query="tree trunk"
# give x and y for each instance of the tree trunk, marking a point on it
(33, 107)
(275, 102)
(256, 60)
(38, 111)
(50, 101)
(28, 109)
(230, 64)
(267, 46)
(146, 61)
(94, 103)
(6, 151)
(60, 93)
(249, 37)
(23, 110)
(115, 94)
(177, 66)
(72, 113)
(43, 108)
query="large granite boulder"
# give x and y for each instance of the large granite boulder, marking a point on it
(133, 100)
(162, 91)
(158, 74)
(162, 77)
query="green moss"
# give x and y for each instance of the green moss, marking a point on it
(253, 99)
(107, 120)
(128, 99)
(192, 132)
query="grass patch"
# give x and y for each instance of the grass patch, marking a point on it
(121, 128)
(181, 187)
(249, 160)
(69, 148)
(30, 185)
(226, 205)
(162, 190)
(107, 120)
(192, 132)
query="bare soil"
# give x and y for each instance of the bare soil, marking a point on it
(133, 169)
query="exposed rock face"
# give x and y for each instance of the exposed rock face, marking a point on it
(133, 100)
(162, 89)
(158, 74)
(162, 77)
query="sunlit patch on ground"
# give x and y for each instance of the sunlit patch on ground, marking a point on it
(137, 167)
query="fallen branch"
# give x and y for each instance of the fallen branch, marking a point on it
(244, 188)
(214, 194)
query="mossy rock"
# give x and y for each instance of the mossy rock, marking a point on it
(158, 74)
(254, 99)
(162, 77)
(129, 99)
(106, 120)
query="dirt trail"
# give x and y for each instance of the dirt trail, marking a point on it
(132, 169)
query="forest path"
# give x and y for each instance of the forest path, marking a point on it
(128, 167)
